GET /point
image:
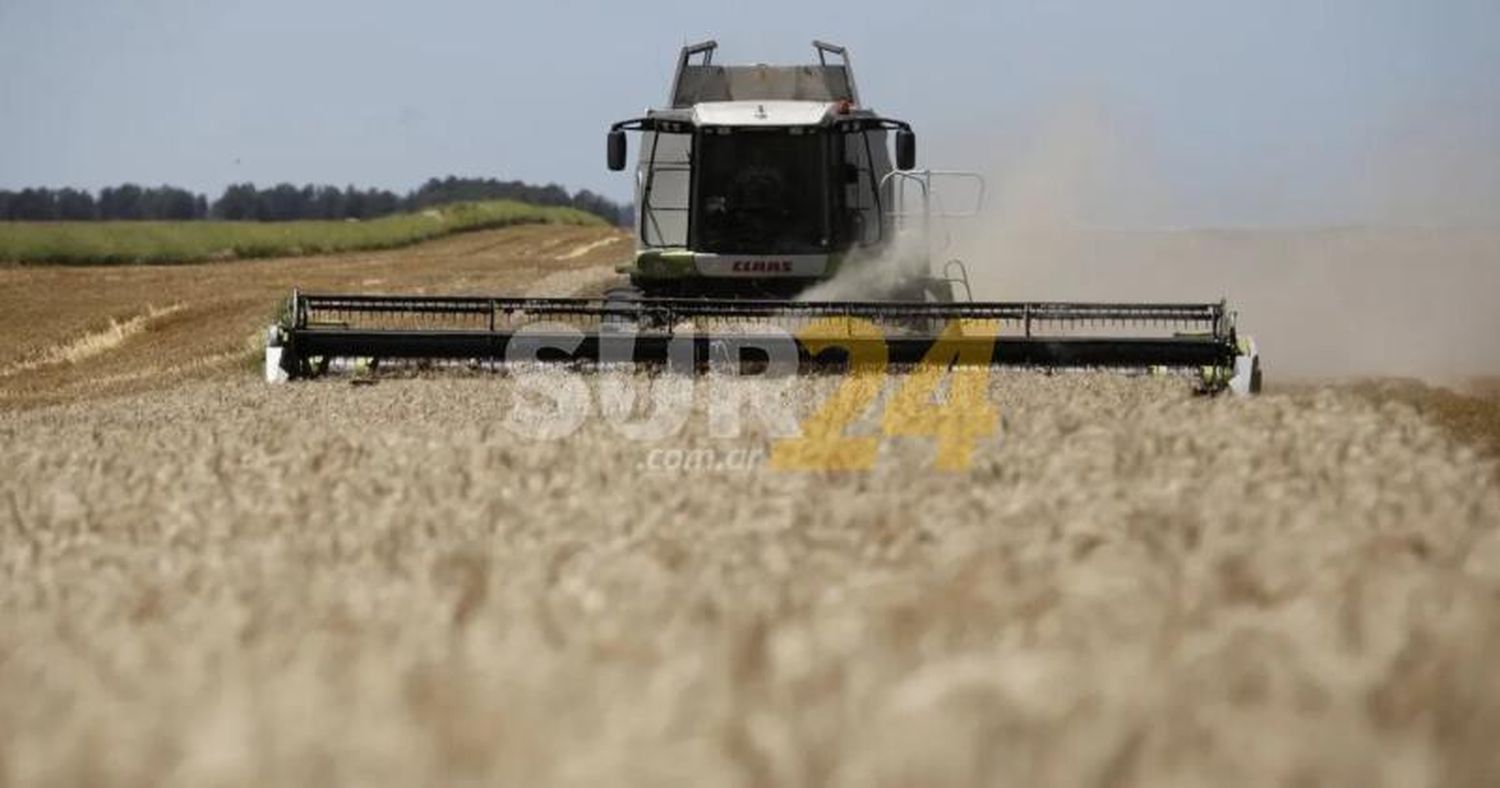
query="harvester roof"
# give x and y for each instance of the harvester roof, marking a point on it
(830, 80)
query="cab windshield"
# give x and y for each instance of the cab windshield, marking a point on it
(760, 192)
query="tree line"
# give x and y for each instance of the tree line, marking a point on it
(285, 201)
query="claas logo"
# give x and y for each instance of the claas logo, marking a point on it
(762, 266)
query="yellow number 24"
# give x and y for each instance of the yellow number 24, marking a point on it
(956, 423)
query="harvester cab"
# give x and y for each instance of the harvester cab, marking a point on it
(759, 181)
(778, 219)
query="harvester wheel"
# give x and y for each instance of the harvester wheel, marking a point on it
(931, 291)
(940, 291)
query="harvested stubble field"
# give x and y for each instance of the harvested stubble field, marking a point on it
(81, 332)
(219, 582)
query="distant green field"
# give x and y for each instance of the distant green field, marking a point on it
(107, 243)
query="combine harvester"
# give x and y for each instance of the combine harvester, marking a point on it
(759, 190)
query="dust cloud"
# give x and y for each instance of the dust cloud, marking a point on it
(877, 277)
(1410, 291)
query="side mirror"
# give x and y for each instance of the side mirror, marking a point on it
(617, 150)
(906, 150)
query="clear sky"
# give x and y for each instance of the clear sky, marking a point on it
(1188, 112)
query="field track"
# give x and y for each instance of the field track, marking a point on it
(132, 328)
(205, 580)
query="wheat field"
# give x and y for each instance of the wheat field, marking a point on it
(180, 242)
(209, 581)
(225, 583)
